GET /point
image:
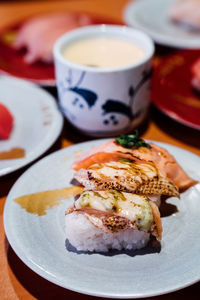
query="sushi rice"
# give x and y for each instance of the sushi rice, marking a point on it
(85, 236)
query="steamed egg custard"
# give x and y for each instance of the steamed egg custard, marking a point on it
(103, 52)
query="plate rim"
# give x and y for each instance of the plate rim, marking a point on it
(55, 131)
(40, 82)
(174, 116)
(45, 275)
(128, 12)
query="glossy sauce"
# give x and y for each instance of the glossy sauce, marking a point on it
(14, 153)
(103, 52)
(38, 203)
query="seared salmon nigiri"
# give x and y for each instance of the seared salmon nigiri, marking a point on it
(132, 148)
(139, 178)
(105, 220)
(123, 182)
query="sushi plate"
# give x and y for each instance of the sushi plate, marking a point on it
(172, 92)
(158, 25)
(37, 123)
(38, 236)
(12, 61)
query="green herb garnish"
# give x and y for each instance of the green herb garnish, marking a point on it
(132, 141)
(122, 159)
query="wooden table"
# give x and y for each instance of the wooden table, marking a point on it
(17, 281)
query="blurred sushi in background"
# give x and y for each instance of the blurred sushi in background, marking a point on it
(186, 13)
(38, 34)
(195, 69)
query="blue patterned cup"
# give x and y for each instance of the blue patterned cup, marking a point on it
(104, 101)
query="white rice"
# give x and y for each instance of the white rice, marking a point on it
(84, 236)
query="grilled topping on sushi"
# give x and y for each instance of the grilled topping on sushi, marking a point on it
(157, 156)
(139, 178)
(123, 181)
(135, 208)
(105, 220)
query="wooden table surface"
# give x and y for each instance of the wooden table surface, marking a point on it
(17, 281)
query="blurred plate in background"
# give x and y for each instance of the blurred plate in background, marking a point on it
(172, 91)
(152, 16)
(37, 122)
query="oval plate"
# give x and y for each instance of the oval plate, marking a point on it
(37, 121)
(40, 240)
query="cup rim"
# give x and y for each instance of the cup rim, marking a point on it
(122, 29)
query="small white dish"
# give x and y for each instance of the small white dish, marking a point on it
(152, 17)
(40, 240)
(37, 121)
(104, 101)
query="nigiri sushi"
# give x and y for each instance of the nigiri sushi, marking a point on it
(123, 181)
(186, 13)
(121, 148)
(139, 178)
(39, 33)
(104, 220)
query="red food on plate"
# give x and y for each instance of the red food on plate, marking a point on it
(6, 122)
(196, 75)
(39, 34)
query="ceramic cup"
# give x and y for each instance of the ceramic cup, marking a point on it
(104, 101)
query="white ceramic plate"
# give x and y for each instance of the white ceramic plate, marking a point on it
(40, 240)
(151, 16)
(37, 121)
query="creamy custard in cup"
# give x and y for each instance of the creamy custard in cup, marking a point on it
(103, 77)
(103, 52)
